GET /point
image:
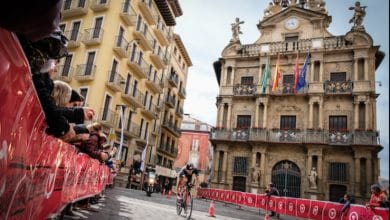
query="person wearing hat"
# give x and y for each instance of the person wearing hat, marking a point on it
(378, 198)
(76, 99)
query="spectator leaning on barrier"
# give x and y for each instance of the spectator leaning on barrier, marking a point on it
(346, 200)
(272, 191)
(378, 198)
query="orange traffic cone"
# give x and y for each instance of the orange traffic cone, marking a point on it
(169, 194)
(211, 209)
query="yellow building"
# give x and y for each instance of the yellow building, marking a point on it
(319, 142)
(124, 56)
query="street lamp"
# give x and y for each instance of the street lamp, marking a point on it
(121, 116)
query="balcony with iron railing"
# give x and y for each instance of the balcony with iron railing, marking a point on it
(100, 5)
(115, 81)
(153, 82)
(161, 33)
(121, 46)
(143, 36)
(244, 89)
(173, 79)
(65, 73)
(128, 14)
(133, 130)
(170, 101)
(149, 111)
(179, 112)
(363, 86)
(334, 43)
(167, 149)
(157, 57)
(134, 97)
(108, 117)
(308, 136)
(93, 36)
(343, 87)
(74, 37)
(148, 11)
(137, 64)
(167, 58)
(171, 128)
(182, 93)
(72, 8)
(85, 72)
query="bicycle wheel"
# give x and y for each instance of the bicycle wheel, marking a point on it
(188, 206)
(179, 206)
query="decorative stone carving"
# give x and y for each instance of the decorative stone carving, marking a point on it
(357, 19)
(236, 30)
(313, 178)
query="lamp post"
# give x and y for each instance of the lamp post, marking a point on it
(121, 116)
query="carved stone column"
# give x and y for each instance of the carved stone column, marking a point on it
(216, 166)
(310, 114)
(369, 173)
(312, 71)
(321, 70)
(366, 68)
(320, 105)
(228, 121)
(356, 115)
(262, 169)
(355, 69)
(367, 116)
(265, 115)
(257, 114)
(357, 176)
(220, 114)
(224, 166)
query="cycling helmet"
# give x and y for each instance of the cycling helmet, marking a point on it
(190, 166)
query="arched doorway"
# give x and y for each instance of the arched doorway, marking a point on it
(286, 177)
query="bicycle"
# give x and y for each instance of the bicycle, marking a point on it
(185, 202)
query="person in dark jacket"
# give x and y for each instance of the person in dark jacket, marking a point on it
(272, 191)
(94, 145)
(346, 200)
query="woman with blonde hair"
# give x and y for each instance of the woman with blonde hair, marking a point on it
(61, 93)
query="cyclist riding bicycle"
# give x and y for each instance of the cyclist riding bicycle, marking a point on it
(185, 177)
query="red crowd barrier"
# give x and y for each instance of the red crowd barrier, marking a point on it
(302, 208)
(39, 174)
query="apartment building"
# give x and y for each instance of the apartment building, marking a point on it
(122, 54)
(318, 141)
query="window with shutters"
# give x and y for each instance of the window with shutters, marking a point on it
(338, 172)
(240, 166)
(243, 121)
(247, 80)
(287, 122)
(338, 77)
(338, 123)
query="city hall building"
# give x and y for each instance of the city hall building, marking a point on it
(298, 107)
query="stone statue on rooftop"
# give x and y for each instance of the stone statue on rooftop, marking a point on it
(236, 30)
(358, 16)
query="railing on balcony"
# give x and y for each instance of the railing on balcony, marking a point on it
(157, 57)
(161, 32)
(115, 81)
(93, 36)
(134, 96)
(148, 11)
(74, 8)
(128, 13)
(290, 136)
(182, 92)
(344, 87)
(154, 81)
(337, 42)
(309, 136)
(121, 46)
(108, 117)
(173, 79)
(74, 37)
(170, 101)
(134, 129)
(142, 34)
(85, 72)
(137, 63)
(65, 73)
(170, 126)
(167, 58)
(180, 112)
(244, 89)
(100, 5)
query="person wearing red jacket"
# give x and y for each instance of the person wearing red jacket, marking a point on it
(378, 197)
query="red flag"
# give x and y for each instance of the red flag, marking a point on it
(296, 73)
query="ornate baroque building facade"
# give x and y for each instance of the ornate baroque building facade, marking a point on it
(125, 55)
(319, 142)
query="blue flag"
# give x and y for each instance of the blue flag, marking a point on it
(302, 74)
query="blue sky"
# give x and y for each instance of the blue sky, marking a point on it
(205, 30)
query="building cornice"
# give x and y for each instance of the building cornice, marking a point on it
(169, 9)
(182, 49)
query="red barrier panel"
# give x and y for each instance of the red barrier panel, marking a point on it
(39, 174)
(302, 208)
